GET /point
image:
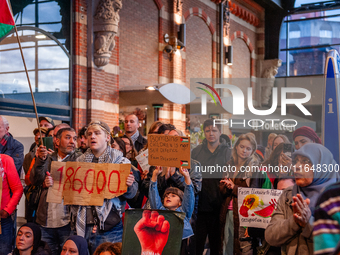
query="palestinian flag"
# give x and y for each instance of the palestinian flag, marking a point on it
(184, 163)
(184, 140)
(6, 18)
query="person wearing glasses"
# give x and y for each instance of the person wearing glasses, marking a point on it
(291, 225)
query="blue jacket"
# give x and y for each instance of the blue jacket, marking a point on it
(187, 207)
(14, 149)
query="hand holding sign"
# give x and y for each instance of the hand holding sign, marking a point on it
(153, 232)
(130, 180)
(157, 171)
(48, 182)
(186, 175)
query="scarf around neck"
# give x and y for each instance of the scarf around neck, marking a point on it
(318, 155)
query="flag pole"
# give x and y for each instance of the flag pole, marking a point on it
(28, 78)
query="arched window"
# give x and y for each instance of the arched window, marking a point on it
(47, 59)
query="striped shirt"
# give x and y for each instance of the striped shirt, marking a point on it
(327, 218)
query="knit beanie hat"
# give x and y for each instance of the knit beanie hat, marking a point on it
(307, 132)
(175, 191)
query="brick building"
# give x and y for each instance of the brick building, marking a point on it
(115, 47)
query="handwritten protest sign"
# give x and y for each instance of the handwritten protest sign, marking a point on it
(256, 206)
(166, 150)
(80, 183)
(143, 160)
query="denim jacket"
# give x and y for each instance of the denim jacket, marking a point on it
(187, 207)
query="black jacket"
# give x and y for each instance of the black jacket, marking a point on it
(37, 178)
(15, 149)
(210, 198)
(140, 143)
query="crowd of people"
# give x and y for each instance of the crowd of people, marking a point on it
(306, 219)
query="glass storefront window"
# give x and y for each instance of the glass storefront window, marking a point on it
(305, 40)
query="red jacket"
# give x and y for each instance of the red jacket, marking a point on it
(10, 183)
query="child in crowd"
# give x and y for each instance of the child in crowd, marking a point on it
(174, 199)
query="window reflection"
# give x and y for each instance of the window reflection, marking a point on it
(311, 35)
(51, 16)
(47, 63)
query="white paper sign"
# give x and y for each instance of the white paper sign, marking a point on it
(256, 206)
(143, 161)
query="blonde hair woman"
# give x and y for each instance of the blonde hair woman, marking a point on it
(243, 157)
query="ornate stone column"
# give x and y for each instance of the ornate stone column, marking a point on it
(270, 70)
(105, 27)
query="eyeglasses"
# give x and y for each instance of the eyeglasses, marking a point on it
(303, 161)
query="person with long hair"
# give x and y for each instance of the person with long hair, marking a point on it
(279, 139)
(277, 164)
(154, 127)
(130, 149)
(118, 144)
(243, 155)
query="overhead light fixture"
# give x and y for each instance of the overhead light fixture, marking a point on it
(40, 36)
(228, 55)
(151, 87)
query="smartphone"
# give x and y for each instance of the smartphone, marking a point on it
(48, 142)
(287, 149)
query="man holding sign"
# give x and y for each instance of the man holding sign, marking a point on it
(107, 216)
(53, 218)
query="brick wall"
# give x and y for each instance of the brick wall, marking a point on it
(138, 58)
(198, 50)
(138, 55)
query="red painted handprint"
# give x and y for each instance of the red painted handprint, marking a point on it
(152, 231)
(268, 211)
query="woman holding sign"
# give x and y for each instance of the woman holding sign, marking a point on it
(291, 225)
(242, 157)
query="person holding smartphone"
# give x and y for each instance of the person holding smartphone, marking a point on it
(305, 135)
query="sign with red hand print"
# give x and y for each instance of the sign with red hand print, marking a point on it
(153, 232)
(80, 183)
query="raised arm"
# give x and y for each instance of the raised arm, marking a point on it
(154, 198)
(41, 166)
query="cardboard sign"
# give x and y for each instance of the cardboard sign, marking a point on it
(145, 232)
(143, 161)
(166, 150)
(80, 183)
(256, 206)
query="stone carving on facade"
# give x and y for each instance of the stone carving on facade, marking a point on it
(105, 27)
(270, 70)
